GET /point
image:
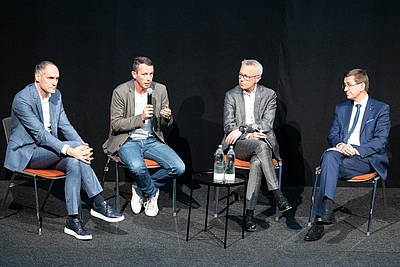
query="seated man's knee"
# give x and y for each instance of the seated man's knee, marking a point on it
(262, 146)
(136, 168)
(180, 169)
(177, 169)
(330, 155)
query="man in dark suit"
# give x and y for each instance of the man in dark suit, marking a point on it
(135, 134)
(358, 145)
(249, 113)
(37, 116)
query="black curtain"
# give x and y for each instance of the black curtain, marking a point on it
(197, 46)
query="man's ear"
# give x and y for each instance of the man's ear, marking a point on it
(258, 78)
(134, 74)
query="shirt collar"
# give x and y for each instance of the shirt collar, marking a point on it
(40, 95)
(363, 102)
(254, 91)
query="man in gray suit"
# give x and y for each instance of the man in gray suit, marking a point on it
(249, 113)
(139, 108)
(37, 115)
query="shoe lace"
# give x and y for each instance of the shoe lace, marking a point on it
(150, 204)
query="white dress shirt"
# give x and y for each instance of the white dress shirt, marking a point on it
(354, 138)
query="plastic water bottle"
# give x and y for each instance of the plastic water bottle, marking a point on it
(219, 165)
(230, 166)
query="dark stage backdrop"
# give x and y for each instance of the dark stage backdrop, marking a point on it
(197, 47)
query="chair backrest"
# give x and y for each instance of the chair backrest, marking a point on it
(7, 127)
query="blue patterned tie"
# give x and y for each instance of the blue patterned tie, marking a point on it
(346, 138)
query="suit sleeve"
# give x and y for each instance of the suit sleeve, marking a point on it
(268, 113)
(119, 121)
(26, 113)
(336, 129)
(374, 137)
(230, 123)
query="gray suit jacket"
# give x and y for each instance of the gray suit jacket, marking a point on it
(264, 114)
(27, 128)
(123, 119)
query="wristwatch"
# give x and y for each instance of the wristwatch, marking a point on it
(243, 129)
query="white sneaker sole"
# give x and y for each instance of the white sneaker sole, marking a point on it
(104, 218)
(74, 234)
(151, 213)
(135, 205)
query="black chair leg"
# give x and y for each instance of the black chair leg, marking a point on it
(105, 171)
(3, 203)
(39, 224)
(313, 196)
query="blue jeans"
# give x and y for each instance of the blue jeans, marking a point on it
(133, 152)
(77, 172)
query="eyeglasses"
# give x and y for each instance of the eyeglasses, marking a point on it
(349, 85)
(245, 77)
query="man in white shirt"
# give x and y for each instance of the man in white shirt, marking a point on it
(37, 116)
(357, 138)
(249, 114)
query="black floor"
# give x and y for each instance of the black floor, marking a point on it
(161, 241)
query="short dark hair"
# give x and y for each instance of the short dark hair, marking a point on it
(141, 60)
(360, 76)
(41, 66)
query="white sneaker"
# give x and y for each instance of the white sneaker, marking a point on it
(150, 206)
(137, 199)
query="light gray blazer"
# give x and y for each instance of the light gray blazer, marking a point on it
(264, 114)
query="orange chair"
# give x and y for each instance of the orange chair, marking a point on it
(34, 174)
(245, 165)
(151, 164)
(364, 178)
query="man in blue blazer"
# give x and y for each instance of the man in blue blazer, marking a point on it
(249, 114)
(37, 115)
(357, 139)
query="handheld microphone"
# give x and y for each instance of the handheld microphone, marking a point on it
(257, 129)
(149, 92)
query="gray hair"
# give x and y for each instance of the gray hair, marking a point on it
(258, 68)
(41, 66)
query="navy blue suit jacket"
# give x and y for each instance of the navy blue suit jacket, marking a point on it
(27, 128)
(374, 132)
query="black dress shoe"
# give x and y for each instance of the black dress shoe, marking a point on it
(283, 204)
(315, 233)
(326, 218)
(75, 228)
(250, 224)
(106, 213)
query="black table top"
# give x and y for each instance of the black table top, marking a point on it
(207, 177)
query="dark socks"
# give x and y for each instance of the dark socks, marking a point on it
(249, 212)
(277, 193)
(98, 199)
(328, 204)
